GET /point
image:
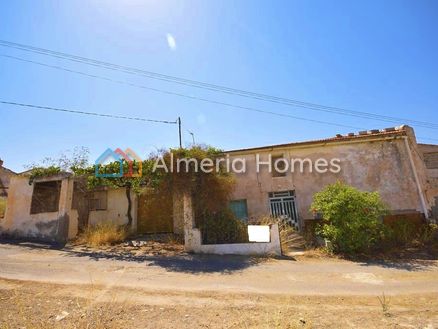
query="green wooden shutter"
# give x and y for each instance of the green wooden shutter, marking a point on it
(240, 209)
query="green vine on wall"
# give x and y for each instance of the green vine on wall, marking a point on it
(39, 172)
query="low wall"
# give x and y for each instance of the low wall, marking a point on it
(415, 218)
(193, 243)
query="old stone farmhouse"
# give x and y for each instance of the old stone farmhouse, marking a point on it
(388, 161)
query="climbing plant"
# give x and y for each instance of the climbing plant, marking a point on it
(146, 178)
(210, 190)
(38, 172)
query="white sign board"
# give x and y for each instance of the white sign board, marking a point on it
(258, 233)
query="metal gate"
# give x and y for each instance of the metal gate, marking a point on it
(283, 206)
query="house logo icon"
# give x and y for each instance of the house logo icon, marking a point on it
(128, 156)
(105, 158)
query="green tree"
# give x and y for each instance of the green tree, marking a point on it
(351, 218)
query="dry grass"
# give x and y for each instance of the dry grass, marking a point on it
(287, 237)
(35, 305)
(87, 312)
(384, 302)
(103, 234)
(174, 239)
(2, 207)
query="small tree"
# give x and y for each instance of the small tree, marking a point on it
(130, 184)
(351, 218)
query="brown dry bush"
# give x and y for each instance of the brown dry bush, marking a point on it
(286, 231)
(103, 234)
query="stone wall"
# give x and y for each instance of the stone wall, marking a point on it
(48, 226)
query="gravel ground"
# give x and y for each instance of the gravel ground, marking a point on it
(38, 305)
(137, 287)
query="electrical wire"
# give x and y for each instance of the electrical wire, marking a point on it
(227, 105)
(214, 87)
(106, 115)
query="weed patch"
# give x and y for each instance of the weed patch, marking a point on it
(103, 234)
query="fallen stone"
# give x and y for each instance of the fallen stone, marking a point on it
(62, 316)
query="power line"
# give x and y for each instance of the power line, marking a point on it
(216, 88)
(114, 116)
(171, 93)
(118, 116)
(227, 105)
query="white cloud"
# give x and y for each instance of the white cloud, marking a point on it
(171, 42)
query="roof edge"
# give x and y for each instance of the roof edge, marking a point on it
(362, 135)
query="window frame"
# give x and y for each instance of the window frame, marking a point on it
(245, 201)
(37, 205)
(92, 201)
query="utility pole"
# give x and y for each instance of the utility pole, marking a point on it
(179, 131)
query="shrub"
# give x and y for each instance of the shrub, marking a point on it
(223, 227)
(428, 233)
(309, 232)
(400, 232)
(351, 218)
(103, 234)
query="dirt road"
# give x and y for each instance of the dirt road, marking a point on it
(69, 289)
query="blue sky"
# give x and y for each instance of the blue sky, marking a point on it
(373, 56)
